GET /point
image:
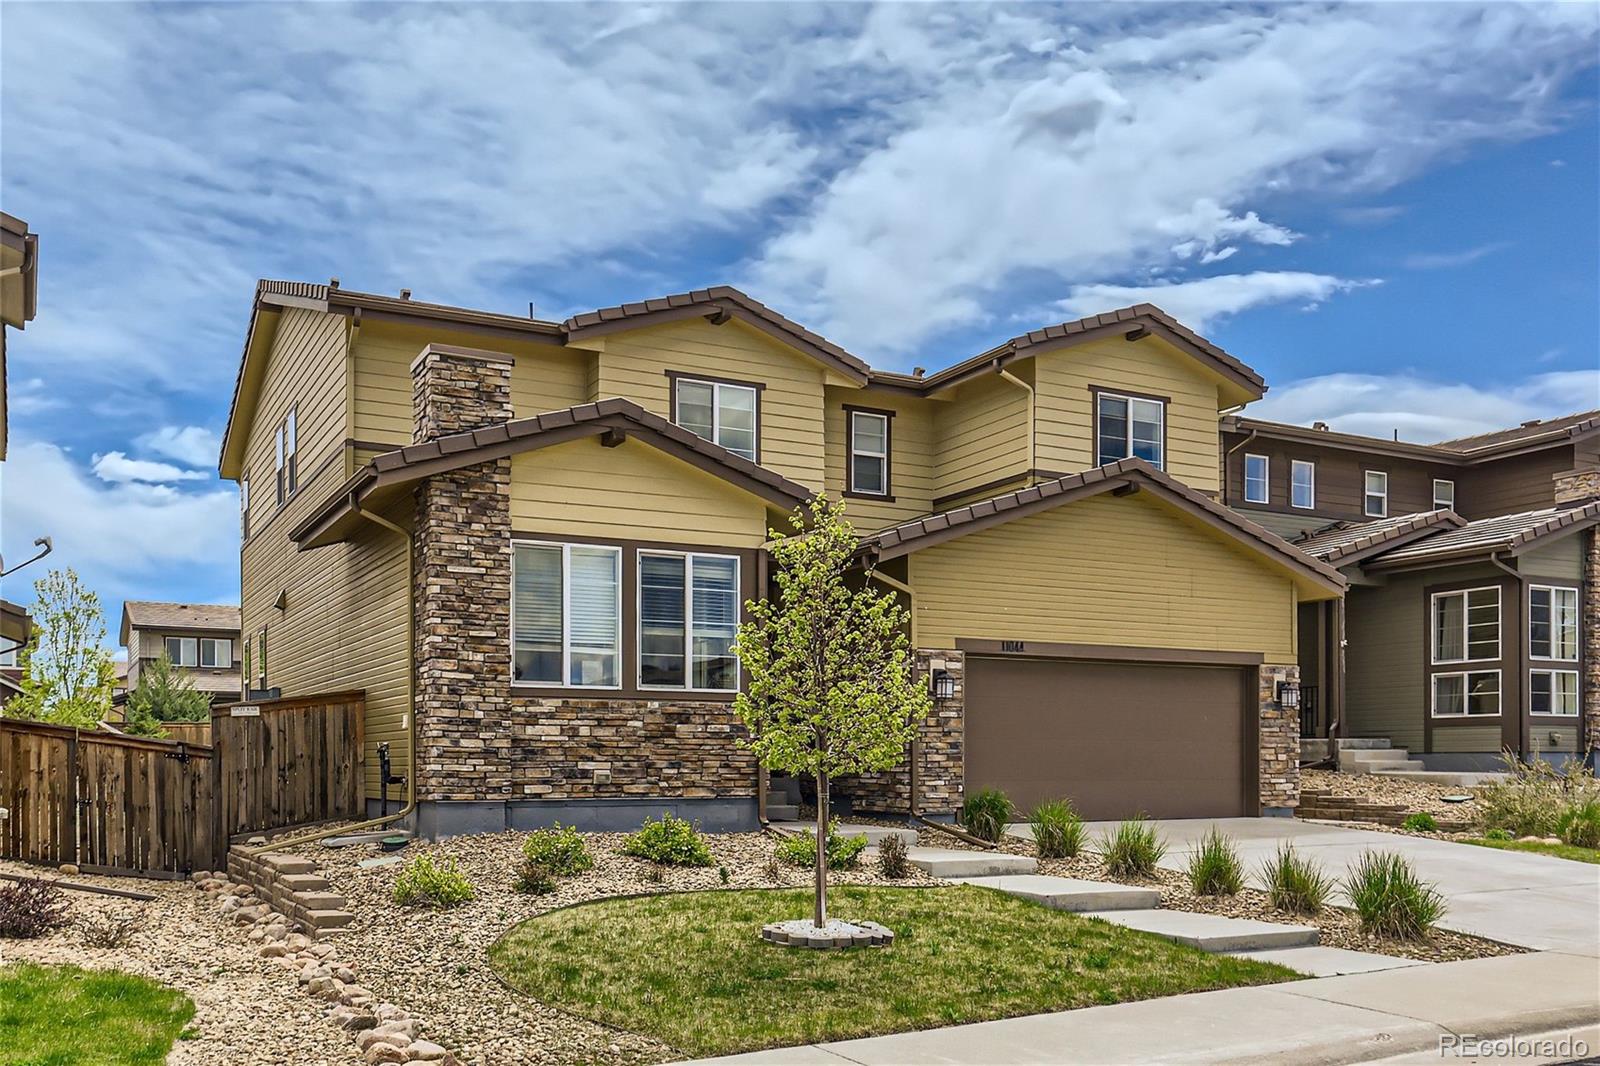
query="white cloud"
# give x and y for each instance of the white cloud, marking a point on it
(1199, 302)
(1424, 410)
(118, 468)
(191, 445)
(1447, 260)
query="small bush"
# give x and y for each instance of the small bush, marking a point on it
(1391, 900)
(986, 813)
(1057, 830)
(1499, 834)
(844, 852)
(559, 849)
(1420, 822)
(1580, 824)
(1133, 849)
(893, 862)
(107, 929)
(1215, 868)
(1294, 884)
(670, 842)
(30, 909)
(535, 878)
(426, 883)
(1535, 796)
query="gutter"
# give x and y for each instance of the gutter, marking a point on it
(1254, 433)
(1000, 369)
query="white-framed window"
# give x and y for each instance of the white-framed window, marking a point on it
(248, 661)
(566, 614)
(1469, 694)
(183, 651)
(1444, 494)
(1129, 427)
(1257, 478)
(1553, 692)
(869, 453)
(1302, 484)
(1466, 625)
(244, 507)
(216, 652)
(1376, 495)
(285, 467)
(261, 658)
(721, 412)
(688, 619)
(1552, 623)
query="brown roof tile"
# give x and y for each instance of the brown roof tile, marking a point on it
(1572, 424)
(1345, 542)
(1502, 534)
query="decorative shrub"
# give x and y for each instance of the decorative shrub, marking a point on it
(535, 878)
(986, 813)
(30, 909)
(1420, 822)
(426, 883)
(1057, 830)
(1391, 900)
(671, 842)
(1214, 866)
(893, 863)
(844, 852)
(1533, 799)
(559, 849)
(108, 929)
(1499, 834)
(1580, 824)
(1133, 849)
(1295, 884)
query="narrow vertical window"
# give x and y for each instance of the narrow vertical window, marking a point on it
(1444, 494)
(1303, 484)
(277, 464)
(1256, 478)
(244, 507)
(290, 451)
(869, 453)
(663, 621)
(716, 622)
(1553, 623)
(244, 675)
(566, 608)
(1376, 496)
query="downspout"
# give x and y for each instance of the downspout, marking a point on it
(1032, 425)
(1253, 434)
(411, 715)
(1524, 684)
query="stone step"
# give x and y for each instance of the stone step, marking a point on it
(1070, 893)
(875, 834)
(1318, 961)
(1212, 932)
(1462, 778)
(1392, 766)
(950, 862)
(326, 921)
(1363, 743)
(782, 812)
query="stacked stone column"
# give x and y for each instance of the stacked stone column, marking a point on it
(1279, 754)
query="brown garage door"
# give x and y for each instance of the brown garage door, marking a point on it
(1115, 738)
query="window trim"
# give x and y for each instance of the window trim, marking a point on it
(1577, 624)
(850, 491)
(1097, 391)
(178, 662)
(1367, 494)
(688, 555)
(1466, 639)
(1577, 689)
(566, 547)
(1310, 465)
(1444, 481)
(200, 656)
(1266, 478)
(1465, 715)
(676, 377)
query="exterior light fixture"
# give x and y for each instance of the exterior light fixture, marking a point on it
(944, 685)
(1289, 695)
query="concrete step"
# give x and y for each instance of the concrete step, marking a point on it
(1464, 778)
(1071, 894)
(783, 790)
(1319, 961)
(949, 862)
(1212, 932)
(782, 812)
(1363, 743)
(1313, 749)
(875, 834)
(1389, 766)
(1377, 755)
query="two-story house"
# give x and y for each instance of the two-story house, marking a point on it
(529, 542)
(200, 639)
(1472, 620)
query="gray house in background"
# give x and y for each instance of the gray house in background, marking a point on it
(201, 639)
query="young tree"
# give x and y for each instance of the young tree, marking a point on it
(832, 687)
(67, 674)
(164, 694)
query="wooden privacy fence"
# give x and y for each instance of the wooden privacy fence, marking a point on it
(290, 761)
(106, 802)
(188, 732)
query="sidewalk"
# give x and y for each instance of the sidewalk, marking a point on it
(1329, 1020)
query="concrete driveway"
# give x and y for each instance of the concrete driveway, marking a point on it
(1533, 901)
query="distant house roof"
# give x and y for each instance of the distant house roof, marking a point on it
(153, 614)
(1463, 451)
(1502, 535)
(1566, 426)
(1344, 543)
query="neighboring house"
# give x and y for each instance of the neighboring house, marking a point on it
(538, 536)
(201, 639)
(1472, 621)
(19, 301)
(10, 673)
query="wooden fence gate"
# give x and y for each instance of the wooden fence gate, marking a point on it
(290, 761)
(105, 802)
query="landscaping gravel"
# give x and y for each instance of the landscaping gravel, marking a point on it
(1413, 795)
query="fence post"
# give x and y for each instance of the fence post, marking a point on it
(71, 824)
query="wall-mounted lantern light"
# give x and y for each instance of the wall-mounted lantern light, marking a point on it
(944, 685)
(1289, 695)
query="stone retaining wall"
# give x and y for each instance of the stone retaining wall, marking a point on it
(292, 886)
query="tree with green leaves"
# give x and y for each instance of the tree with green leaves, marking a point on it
(67, 676)
(164, 694)
(832, 686)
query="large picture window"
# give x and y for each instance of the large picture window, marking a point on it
(1553, 623)
(566, 615)
(1129, 427)
(1466, 625)
(688, 619)
(1257, 479)
(721, 412)
(1553, 692)
(1471, 694)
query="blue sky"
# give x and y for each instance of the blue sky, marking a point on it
(1392, 212)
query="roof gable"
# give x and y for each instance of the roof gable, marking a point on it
(1348, 542)
(1510, 534)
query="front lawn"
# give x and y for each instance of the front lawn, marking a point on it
(689, 969)
(64, 1016)
(1540, 847)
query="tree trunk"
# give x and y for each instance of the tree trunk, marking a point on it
(820, 914)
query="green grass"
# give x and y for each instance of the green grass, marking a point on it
(689, 968)
(1560, 851)
(64, 1016)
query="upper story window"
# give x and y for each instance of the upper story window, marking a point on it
(1376, 494)
(216, 652)
(1256, 479)
(1553, 623)
(8, 657)
(183, 651)
(1302, 484)
(284, 448)
(1466, 625)
(1129, 427)
(1444, 494)
(868, 452)
(688, 619)
(244, 507)
(566, 614)
(724, 412)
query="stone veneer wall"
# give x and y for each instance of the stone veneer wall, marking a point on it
(940, 777)
(1279, 756)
